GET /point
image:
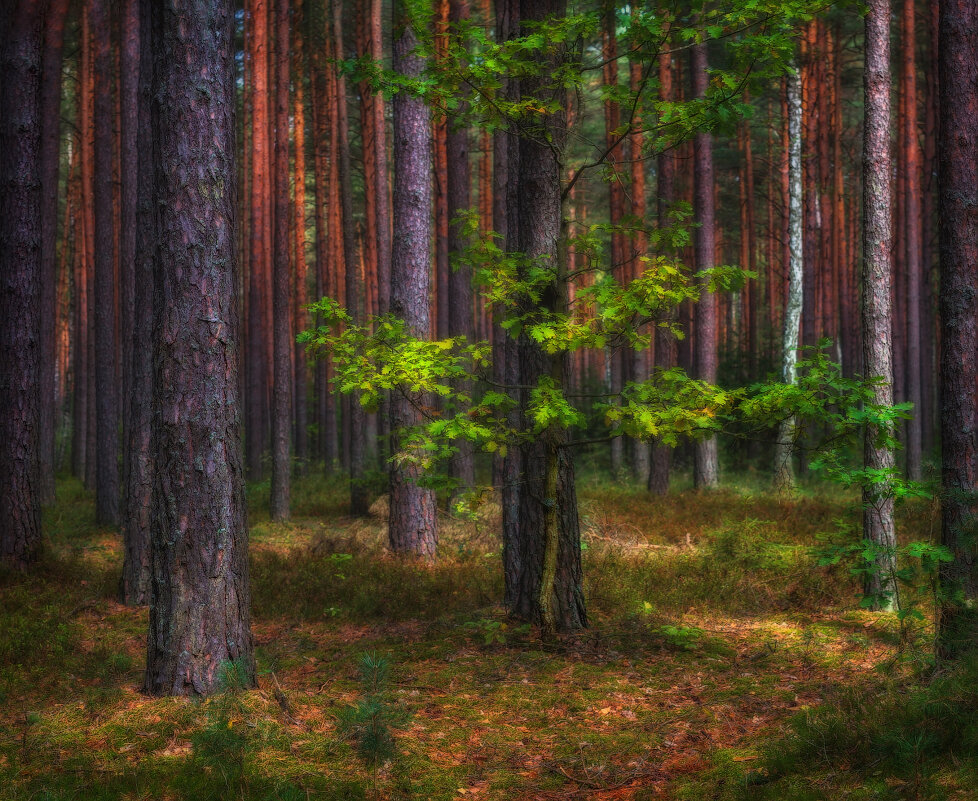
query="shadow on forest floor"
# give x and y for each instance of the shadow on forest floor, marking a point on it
(722, 662)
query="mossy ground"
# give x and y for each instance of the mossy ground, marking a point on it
(722, 662)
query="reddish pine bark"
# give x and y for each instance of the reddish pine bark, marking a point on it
(666, 347)
(282, 284)
(106, 346)
(958, 211)
(411, 522)
(877, 271)
(441, 296)
(913, 235)
(199, 610)
(381, 173)
(301, 318)
(51, 56)
(20, 273)
(134, 589)
(706, 472)
(255, 370)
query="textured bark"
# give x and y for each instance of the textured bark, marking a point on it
(106, 345)
(20, 280)
(666, 347)
(54, 28)
(134, 589)
(255, 367)
(784, 474)
(282, 284)
(381, 174)
(355, 424)
(913, 233)
(412, 522)
(460, 309)
(441, 295)
(301, 317)
(549, 590)
(877, 270)
(958, 211)
(199, 610)
(706, 469)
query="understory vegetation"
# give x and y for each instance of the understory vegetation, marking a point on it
(723, 661)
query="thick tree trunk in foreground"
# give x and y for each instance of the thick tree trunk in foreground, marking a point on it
(106, 394)
(411, 524)
(199, 610)
(54, 30)
(784, 472)
(549, 590)
(282, 284)
(706, 468)
(958, 181)
(139, 462)
(877, 275)
(20, 274)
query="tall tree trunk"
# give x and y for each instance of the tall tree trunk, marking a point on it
(282, 285)
(549, 586)
(877, 271)
(442, 269)
(200, 602)
(460, 309)
(134, 589)
(706, 469)
(20, 268)
(640, 451)
(300, 390)
(506, 366)
(411, 521)
(356, 423)
(958, 211)
(257, 333)
(106, 393)
(666, 347)
(912, 232)
(784, 474)
(54, 29)
(616, 199)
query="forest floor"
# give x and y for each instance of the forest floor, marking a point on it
(722, 662)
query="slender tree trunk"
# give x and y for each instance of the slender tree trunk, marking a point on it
(135, 585)
(356, 423)
(912, 232)
(460, 309)
(706, 471)
(958, 211)
(200, 602)
(784, 474)
(21, 35)
(106, 394)
(666, 347)
(640, 356)
(282, 285)
(616, 199)
(442, 269)
(411, 522)
(300, 391)
(54, 29)
(877, 271)
(256, 370)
